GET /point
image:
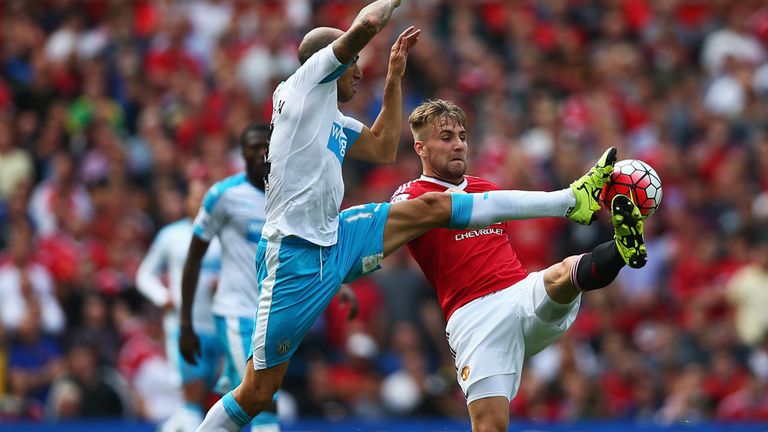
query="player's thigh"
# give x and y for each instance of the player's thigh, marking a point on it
(409, 219)
(297, 280)
(360, 242)
(486, 337)
(545, 320)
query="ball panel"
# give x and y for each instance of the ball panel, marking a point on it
(651, 191)
(639, 178)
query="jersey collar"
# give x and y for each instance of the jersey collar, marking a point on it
(447, 185)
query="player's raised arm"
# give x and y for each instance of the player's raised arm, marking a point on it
(379, 143)
(366, 25)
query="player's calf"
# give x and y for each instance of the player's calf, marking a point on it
(256, 393)
(597, 269)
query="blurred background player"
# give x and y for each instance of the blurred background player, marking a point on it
(166, 258)
(497, 313)
(233, 211)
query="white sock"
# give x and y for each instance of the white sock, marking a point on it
(503, 205)
(217, 420)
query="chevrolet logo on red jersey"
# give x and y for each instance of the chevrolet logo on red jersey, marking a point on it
(478, 233)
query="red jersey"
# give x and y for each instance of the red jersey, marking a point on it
(462, 265)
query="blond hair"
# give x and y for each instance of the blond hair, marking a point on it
(431, 111)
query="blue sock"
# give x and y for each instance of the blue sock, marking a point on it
(235, 412)
(461, 210)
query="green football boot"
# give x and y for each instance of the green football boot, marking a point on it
(628, 229)
(587, 189)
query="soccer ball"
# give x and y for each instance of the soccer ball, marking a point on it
(637, 177)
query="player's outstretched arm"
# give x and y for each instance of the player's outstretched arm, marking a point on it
(189, 344)
(366, 25)
(379, 143)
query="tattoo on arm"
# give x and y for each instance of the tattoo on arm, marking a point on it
(368, 24)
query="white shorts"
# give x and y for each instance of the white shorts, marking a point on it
(494, 334)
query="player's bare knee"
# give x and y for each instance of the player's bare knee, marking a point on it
(571, 261)
(559, 273)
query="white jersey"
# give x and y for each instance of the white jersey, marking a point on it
(166, 256)
(310, 137)
(233, 210)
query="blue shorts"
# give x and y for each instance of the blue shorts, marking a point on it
(235, 334)
(298, 279)
(208, 363)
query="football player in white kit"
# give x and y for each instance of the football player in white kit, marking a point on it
(233, 212)
(308, 248)
(309, 140)
(166, 256)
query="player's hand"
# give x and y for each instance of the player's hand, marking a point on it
(398, 56)
(347, 296)
(189, 344)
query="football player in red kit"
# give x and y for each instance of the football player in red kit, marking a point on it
(497, 313)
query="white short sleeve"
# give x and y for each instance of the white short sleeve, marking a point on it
(323, 67)
(211, 216)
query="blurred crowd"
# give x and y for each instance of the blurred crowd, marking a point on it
(108, 109)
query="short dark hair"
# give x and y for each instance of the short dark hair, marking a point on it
(317, 39)
(251, 132)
